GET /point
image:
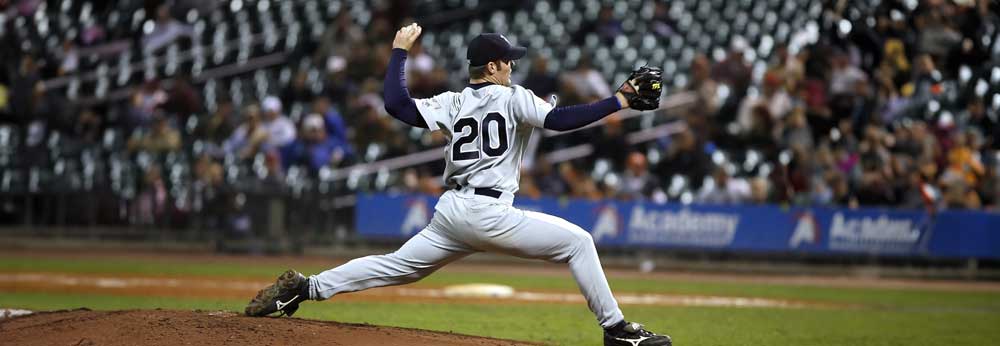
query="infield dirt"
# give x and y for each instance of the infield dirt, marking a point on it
(83, 327)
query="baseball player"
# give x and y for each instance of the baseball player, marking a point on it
(488, 125)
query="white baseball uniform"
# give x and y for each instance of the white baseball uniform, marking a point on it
(488, 129)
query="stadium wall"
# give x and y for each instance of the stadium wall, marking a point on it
(750, 229)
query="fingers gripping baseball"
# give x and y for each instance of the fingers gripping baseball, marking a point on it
(406, 36)
(642, 88)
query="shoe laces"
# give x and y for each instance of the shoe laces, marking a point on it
(637, 329)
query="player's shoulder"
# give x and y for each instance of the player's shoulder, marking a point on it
(448, 99)
(520, 91)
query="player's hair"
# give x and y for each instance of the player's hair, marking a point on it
(476, 72)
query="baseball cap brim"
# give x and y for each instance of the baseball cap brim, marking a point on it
(517, 53)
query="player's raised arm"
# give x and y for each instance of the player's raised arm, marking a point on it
(397, 98)
(640, 92)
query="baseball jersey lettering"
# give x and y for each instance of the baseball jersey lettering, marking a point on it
(487, 130)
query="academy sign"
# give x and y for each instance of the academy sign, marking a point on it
(682, 227)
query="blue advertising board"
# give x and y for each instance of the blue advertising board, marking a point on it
(949, 234)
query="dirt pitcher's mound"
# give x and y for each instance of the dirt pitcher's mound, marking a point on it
(164, 327)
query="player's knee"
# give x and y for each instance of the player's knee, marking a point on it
(583, 240)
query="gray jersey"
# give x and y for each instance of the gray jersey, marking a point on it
(487, 130)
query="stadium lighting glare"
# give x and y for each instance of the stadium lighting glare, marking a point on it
(722, 91)
(844, 26)
(981, 87)
(687, 197)
(964, 74)
(236, 6)
(785, 157)
(718, 157)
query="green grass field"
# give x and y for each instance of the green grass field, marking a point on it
(877, 316)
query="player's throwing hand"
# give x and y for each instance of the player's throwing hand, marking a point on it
(406, 36)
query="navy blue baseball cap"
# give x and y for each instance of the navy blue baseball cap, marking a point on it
(492, 47)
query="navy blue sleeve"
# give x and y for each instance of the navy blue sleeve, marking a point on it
(397, 98)
(574, 117)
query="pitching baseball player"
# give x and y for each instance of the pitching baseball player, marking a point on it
(488, 125)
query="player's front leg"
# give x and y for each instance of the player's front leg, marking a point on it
(542, 236)
(420, 256)
(423, 254)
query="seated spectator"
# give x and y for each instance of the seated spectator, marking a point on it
(958, 195)
(702, 84)
(684, 157)
(763, 131)
(609, 142)
(299, 90)
(210, 197)
(842, 194)
(607, 27)
(151, 201)
(796, 131)
(182, 99)
(70, 58)
(88, 128)
(539, 80)
(584, 84)
(844, 75)
(760, 191)
(217, 127)
(734, 71)
(661, 23)
(315, 148)
(280, 130)
(332, 120)
(772, 96)
(724, 190)
(976, 117)
(527, 186)
(144, 101)
(165, 31)
(637, 183)
(963, 164)
(548, 178)
(249, 137)
(579, 184)
(160, 139)
(419, 67)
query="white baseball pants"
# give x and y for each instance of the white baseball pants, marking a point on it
(465, 223)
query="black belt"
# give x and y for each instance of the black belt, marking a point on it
(484, 191)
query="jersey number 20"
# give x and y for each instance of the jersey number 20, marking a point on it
(456, 151)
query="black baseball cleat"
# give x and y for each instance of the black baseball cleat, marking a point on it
(284, 295)
(632, 334)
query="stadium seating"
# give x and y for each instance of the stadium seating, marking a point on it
(245, 50)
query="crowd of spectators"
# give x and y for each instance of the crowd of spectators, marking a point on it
(876, 115)
(864, 116)
(854, 119)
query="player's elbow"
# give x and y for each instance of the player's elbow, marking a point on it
(391, 108)
(392, 105)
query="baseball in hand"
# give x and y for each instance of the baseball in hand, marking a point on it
(406, 36)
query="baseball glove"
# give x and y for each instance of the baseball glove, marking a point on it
(642, 89)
